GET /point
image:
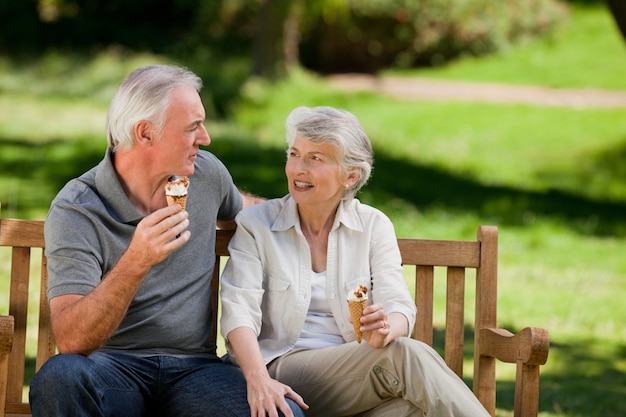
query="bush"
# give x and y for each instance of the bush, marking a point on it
(379, 33)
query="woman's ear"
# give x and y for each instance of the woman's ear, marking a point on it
(353, 177)
(144, 133)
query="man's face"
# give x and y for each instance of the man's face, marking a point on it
(183, 132)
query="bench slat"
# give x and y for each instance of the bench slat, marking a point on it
(18, 308)
(26, 233)
(424, 288)
(455, 319)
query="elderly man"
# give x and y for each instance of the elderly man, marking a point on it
(129, 276)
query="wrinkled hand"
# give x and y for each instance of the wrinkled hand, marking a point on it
(156, 235)
(375, 327)
(266, 396)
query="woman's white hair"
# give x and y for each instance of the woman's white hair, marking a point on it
(144, 95)
(341, 129)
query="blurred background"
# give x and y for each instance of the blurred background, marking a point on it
(491, 142)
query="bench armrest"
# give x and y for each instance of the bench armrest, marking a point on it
(528, 349)
(529, 346)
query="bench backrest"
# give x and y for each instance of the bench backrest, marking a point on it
(480, 256)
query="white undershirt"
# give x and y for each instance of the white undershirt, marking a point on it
(320, 329)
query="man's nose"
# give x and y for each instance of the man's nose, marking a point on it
(203, 137)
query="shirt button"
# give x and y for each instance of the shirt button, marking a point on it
(332, 296)
(377, 369)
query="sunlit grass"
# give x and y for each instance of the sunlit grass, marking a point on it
(587, 52)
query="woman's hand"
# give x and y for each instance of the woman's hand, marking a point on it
(380, 329)
(266, 396)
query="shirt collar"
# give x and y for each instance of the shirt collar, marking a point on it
(347, 215)
(112, 193)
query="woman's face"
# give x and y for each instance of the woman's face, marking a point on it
(313, 173)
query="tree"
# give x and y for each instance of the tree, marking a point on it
(268, 46)
(618, 10)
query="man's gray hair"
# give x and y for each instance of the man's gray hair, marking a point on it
(341, 129)
(144, 95)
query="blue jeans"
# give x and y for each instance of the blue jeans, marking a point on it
(129, 386)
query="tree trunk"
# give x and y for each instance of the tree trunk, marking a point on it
(618, 9)
(269, 59)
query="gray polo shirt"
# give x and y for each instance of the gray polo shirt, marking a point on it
(91, 223)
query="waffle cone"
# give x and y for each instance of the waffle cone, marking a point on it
(177, 199)
(356, 311)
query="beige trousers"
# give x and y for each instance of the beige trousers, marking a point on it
(406, 378)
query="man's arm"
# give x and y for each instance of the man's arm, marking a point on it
(80, 323)
(248, 200)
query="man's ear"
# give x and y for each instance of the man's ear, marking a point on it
(143, 133)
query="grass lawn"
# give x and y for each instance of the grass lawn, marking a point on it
(586, 52)
(552, 179)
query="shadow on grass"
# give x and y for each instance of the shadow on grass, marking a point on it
(261, 171)
(576, 381)
(42, 169)
(33, 173)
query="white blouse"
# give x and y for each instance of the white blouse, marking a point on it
(320, 328)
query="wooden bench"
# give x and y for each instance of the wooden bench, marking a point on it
(462, 260)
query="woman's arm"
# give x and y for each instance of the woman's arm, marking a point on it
(265, 395)
(392, 313)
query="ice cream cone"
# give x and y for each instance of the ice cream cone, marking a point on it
(176, 191)
(356, 312)
(357, 301)
(177, 199)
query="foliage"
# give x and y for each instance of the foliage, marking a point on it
(359, 35)
(405, 33)
(87, 24)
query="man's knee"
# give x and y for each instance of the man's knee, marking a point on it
(295, 408)
(60, 371)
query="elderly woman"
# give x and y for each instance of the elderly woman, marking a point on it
(293, 262)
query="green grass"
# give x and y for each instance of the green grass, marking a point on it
(552, 179)
(586, 52)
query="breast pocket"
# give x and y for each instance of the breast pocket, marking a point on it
(279, 296)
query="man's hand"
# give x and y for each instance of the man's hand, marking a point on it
(158, 234)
